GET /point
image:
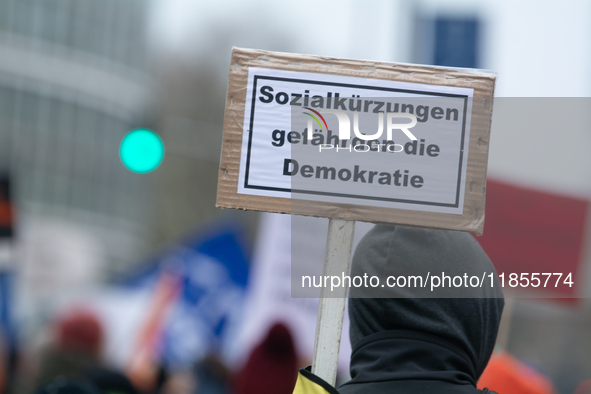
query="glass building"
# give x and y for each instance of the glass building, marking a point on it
(73, 81)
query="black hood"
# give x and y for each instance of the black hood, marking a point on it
(465, 319)
(402, 361)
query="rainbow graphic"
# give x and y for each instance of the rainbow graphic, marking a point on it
(316, 119)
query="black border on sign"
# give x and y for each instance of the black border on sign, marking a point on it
(348, 85)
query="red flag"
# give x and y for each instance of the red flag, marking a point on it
(529, 231)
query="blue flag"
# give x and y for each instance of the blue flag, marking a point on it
(213, 271)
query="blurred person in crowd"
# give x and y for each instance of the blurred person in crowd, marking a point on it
(272, 365)
(410, 344)
(63, 385)
(584, 387)
(177, 382)
(76, 354)
(212, 376)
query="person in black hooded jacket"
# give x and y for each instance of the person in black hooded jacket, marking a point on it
(405, 340)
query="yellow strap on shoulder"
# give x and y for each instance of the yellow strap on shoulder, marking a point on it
(308, 383)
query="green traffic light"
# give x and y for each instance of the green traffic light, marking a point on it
(141, 150)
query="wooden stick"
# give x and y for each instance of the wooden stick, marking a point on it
(331, 308)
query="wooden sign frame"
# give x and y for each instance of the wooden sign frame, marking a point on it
(472, 218)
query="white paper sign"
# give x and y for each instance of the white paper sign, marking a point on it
(379, 164)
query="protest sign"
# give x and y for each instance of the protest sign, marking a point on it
(356, 140)
(299, 138)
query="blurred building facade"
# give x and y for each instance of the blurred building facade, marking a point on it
(74, 78)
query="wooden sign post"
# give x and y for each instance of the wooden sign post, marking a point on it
(331, 310)
(300, 138)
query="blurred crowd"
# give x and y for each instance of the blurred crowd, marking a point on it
(71, 361)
